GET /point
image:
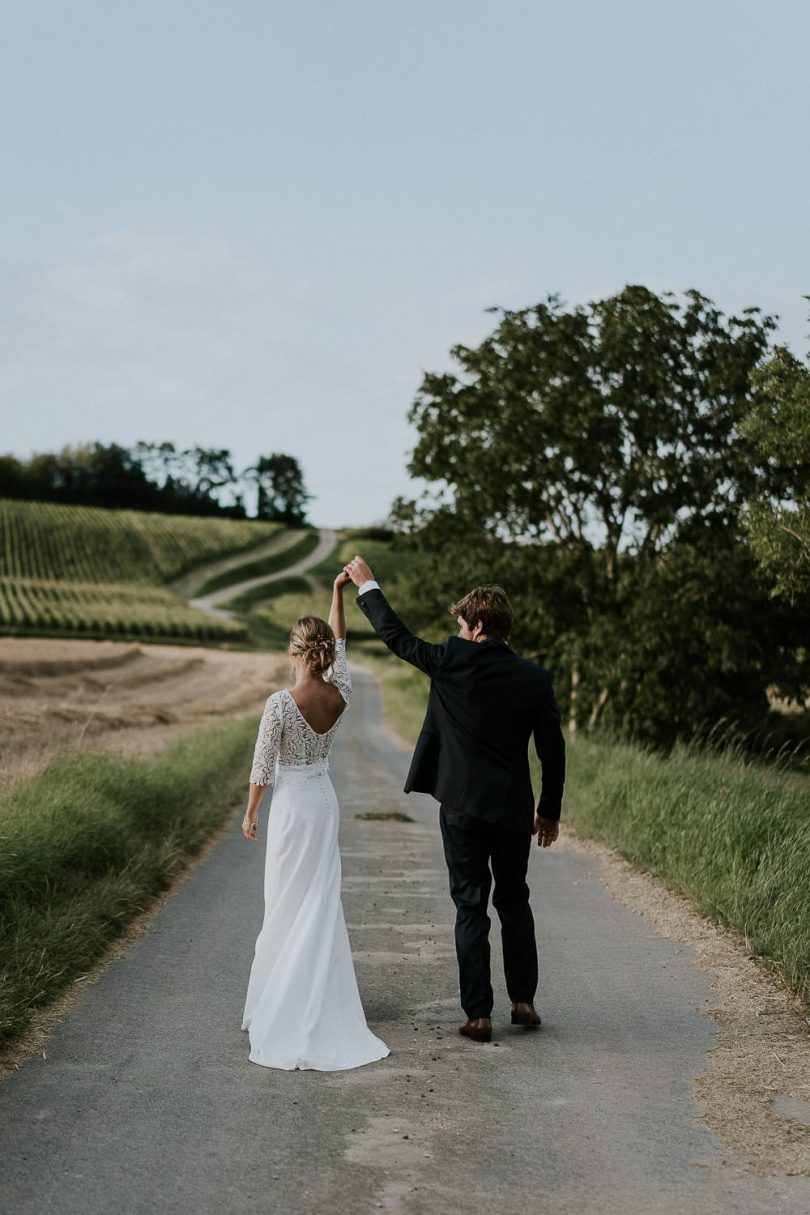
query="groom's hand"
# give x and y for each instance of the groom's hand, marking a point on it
(359, 571)
(547, 831)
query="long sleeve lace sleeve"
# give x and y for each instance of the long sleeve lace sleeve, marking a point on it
(267, 743)
(341, 674)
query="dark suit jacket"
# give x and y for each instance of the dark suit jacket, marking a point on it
(485, 704)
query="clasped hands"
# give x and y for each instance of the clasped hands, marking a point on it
(357, 571)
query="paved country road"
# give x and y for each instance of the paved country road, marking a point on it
(145, 1101)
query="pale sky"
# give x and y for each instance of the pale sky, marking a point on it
(256, 224)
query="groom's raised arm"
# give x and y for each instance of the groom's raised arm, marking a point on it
(389, 628)
(400, 640)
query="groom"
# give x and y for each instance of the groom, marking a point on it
(485, 704)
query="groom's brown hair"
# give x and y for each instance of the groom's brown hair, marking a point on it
(491, 606)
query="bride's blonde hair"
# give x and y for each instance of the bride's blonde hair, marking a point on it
(313, 640)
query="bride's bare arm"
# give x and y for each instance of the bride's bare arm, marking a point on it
(337, 616)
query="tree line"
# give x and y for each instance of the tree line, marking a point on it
(160, 477)
(635, 473)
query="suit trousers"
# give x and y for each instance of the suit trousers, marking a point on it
(471, 846)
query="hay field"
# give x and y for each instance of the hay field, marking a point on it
(117, 697)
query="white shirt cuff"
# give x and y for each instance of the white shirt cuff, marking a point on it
(369, 585)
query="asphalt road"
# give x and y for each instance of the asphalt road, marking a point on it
(145, 1101)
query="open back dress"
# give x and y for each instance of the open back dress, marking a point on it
(303, 1008)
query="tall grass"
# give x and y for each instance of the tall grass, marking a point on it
(731, 835)
(90, 841)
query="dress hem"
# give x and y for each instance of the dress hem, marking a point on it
(315, 1066)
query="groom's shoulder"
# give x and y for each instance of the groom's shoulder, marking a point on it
(451, 650)
(532, 670)
(540, 676)
(531, 665)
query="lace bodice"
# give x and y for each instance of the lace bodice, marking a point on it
(286, 735)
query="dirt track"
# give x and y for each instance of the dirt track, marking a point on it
(130, 698)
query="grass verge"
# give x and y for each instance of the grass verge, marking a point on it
(731, 835)
(88, 843)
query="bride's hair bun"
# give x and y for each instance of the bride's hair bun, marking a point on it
(313, 640)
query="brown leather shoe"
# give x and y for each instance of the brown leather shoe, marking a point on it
(525, 1014)
(477, 1028)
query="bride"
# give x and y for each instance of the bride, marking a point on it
(302, 1007)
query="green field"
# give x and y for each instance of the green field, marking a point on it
(104, 609)
(89, 544)
(386, 562)
(270, 611)
(270, 564)
(101, 573)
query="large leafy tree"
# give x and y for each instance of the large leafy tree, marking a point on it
(211, 469)
(280, 491)
(191, 476)
(85, 473)
(604, 425)
(779, 426)
(583, 444)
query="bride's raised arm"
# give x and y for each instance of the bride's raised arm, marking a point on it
(337, 616)
(340, 674)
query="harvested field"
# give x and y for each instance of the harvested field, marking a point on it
(115, 696)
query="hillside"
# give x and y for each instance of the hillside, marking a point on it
(75, 569)
(88, 544)
(270, 610)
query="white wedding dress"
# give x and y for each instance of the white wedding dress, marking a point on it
(302, 1007)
